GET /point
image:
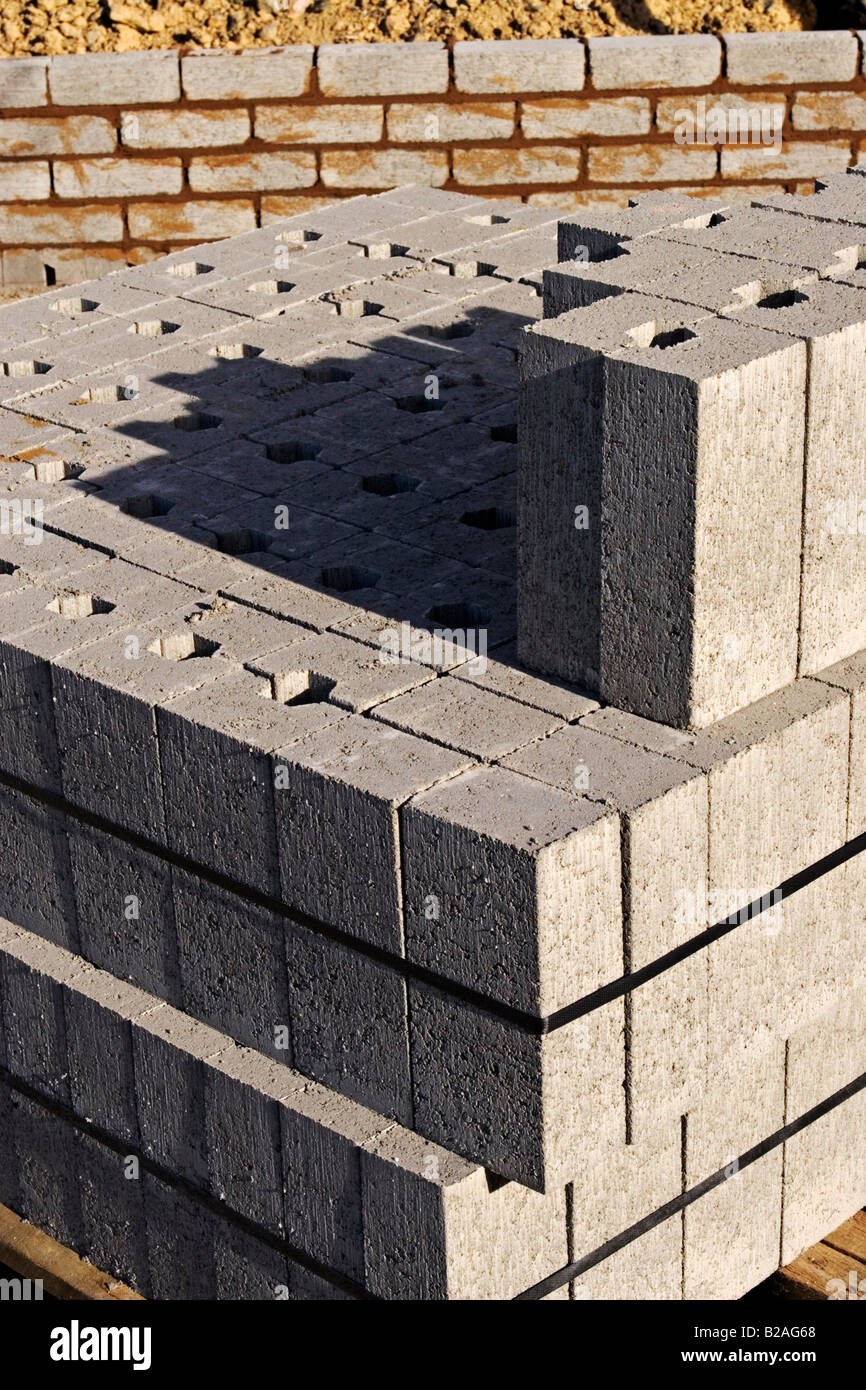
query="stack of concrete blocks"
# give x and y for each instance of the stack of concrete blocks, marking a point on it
(342, 954)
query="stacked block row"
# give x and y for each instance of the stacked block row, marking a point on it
(283, 792)
(107, 157)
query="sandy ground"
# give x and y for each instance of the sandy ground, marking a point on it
(79, 26)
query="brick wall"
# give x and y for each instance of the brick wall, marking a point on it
(109, 157)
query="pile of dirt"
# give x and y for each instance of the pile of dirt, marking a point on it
(81, 26)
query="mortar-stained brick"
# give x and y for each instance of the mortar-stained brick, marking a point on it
(30, 178)
(275, 207)
(491, 120)
(319, 125)
(174, 129)
(535, 164)
(23, 82)
(648, 163)
(193, 221)
(829, 111)
(795, 161)
(246, 75)
(763, 110)
(57, 135)
(119, 178)
(810, 56)
(248, 173)
(560, 118)
(680, 60)
(383, 168)
(519, 65)
(28, 224)
(105, 79)
(384, 69)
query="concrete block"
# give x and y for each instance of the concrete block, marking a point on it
(770, 236)
(48, 1160)
(648, 1268)
(436, 1227)
(114, 1236)
(247, 1269)
(336, 123)
(519, 65)
(179, 1244)
(837, 198)
(344, 787)
(33, 974)
(850, 676)
(823, 1175)
(621, 1186)
(36, 887)
(243, 1133)
(224, 734)
(555, 932)
(382, 69)
(678, 60)
(114, 78)
(731, 1234)
(169, 1055)
(247, 74)
(505, 676)
(124, 911)
(10, 1193)
(827, 56)
(24, 83)
(564, 118)
(100, 1012)
(528, 1108)
(471, 720)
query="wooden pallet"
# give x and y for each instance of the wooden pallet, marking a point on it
(34, 1255)
(839, 1256)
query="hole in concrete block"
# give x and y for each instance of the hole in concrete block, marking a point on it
(782, 299)
(180, 646)
(382, 250)
(446, 332)
(75, 306)
(270, 287)
(418, 405)
(323, 375)
(607, 253)
(299, 688)
(298, 236)
(197, 420)
(153, 328)
(106, 395)
(76, 604)
(494, 1181)
(346, 577)
(468, 270)
(146, 504)
(50, 275)
(185, 270)
(233, 352)
(7, 568)
(459, 614)
(352, 308)
(242, 541)
(490, 519)
(292, 451)
(28, 367)
(389, 484)
(705, 222)
(51, 468)
(504, 434)
(487, 219)
(661, 335)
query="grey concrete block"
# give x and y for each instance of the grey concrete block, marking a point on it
(100, 1012)
(232, 965)
(36, 889)
(179, 1244)
(528, 1108)
(770, 236)
(221, 737)
(503, 674)
(471, 720)
(649, 1268)
(248, 1270)
(10, 1193)
(850, 676)
(114, 1237)
(124, 911)
(33, 973)
(837, 198)
(436, 1227)
(337, 798)
(595, 235)
(48, 1159)
(242, 1090)
(540, 869)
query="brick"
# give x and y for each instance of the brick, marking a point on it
(25, 180)
(732, 1233)
(489, 1244)
(29, 224)
(706, 686)
(173, 129)
(819, 56)
(564, 118)
(191, 221)
(114, 79)
(519, 65)
(828, 111)
(245, 75)
(795, 160)
(33, 135)
(722, 117)
(382, 168)
(823, 1181)
(251, 172)
(344, 787)
(850, 676)
(435, 121)
(681, 60)
(535, 164)
(274, 207)
(129, 178)
(378, 69)
(24, 83)
(330, 124)
(644, 163)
